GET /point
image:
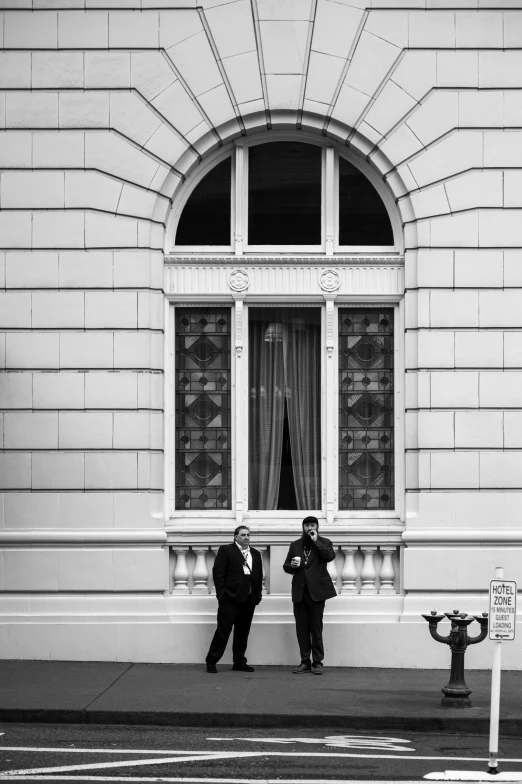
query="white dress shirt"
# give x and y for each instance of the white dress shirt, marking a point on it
(247, 555)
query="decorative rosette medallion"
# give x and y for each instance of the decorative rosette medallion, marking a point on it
(329, 280)
(238, 280)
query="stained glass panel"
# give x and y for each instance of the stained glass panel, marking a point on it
(203, 477)
(366, 470)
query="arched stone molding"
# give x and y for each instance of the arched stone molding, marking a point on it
(391, 189)
(172, 111)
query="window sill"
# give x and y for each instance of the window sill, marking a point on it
(348, 254)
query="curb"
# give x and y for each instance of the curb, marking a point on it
(511, 728)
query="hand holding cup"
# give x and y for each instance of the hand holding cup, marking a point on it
(295, 563)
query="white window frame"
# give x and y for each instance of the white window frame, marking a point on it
(186, 190)
(329, 416)
(276, 514)
(398, 420)
(239, 253)
(388, 202)
(239, 246)
(170, 415)
(242, 152)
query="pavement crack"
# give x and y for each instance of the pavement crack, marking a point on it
(131, 665)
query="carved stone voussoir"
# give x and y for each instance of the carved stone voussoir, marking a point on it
(238, 280)
(329, 280)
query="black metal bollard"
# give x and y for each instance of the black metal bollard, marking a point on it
(456, 692)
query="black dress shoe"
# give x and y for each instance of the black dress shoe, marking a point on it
(243, 667)
(211, 667)
(302, 669)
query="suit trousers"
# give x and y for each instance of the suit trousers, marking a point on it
(309, 627)
(239, 616)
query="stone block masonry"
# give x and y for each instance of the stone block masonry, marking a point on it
(106, 115)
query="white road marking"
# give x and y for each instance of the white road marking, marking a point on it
(472, 775)
(131, 763)
(199, 780)
(338, 741)
(69, 750)
(195, 756)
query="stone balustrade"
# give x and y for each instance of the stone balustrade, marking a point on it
(366, 569)
(357, 570)
(191, 568)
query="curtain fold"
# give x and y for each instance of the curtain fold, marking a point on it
(301, 349)
(266, 379)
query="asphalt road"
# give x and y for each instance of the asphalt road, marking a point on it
(86, 753)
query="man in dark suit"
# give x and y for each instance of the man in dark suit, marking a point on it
(238, 579)
(311, 586)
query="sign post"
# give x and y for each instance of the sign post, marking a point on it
(502, 618)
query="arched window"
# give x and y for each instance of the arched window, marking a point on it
(288, 195)
(285, 279)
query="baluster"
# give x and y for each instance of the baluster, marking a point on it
(200, 573)
(171, 566)
(263, 550)
(332, 571)
(397, 563)
(266, 569)
(349, 571)
(387, 574)
(211, 559)
(181, 574)
(368, 573)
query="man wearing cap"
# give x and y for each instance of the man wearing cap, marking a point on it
(238, 579)
(311, 587)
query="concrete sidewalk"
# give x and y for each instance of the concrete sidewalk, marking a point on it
(185, 695)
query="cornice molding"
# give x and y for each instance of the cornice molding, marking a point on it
(283, 260)
(212, 536)
(455, 537)
(75, 538)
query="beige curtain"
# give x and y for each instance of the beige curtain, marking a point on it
(301, 347)
(266, 379)
(284, 362)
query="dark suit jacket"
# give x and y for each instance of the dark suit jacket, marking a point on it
(315, 574)
(228, 572)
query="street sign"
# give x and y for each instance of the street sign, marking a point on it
(502, 610)
(502, 617)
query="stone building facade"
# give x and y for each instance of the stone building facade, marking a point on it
(253, 234)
